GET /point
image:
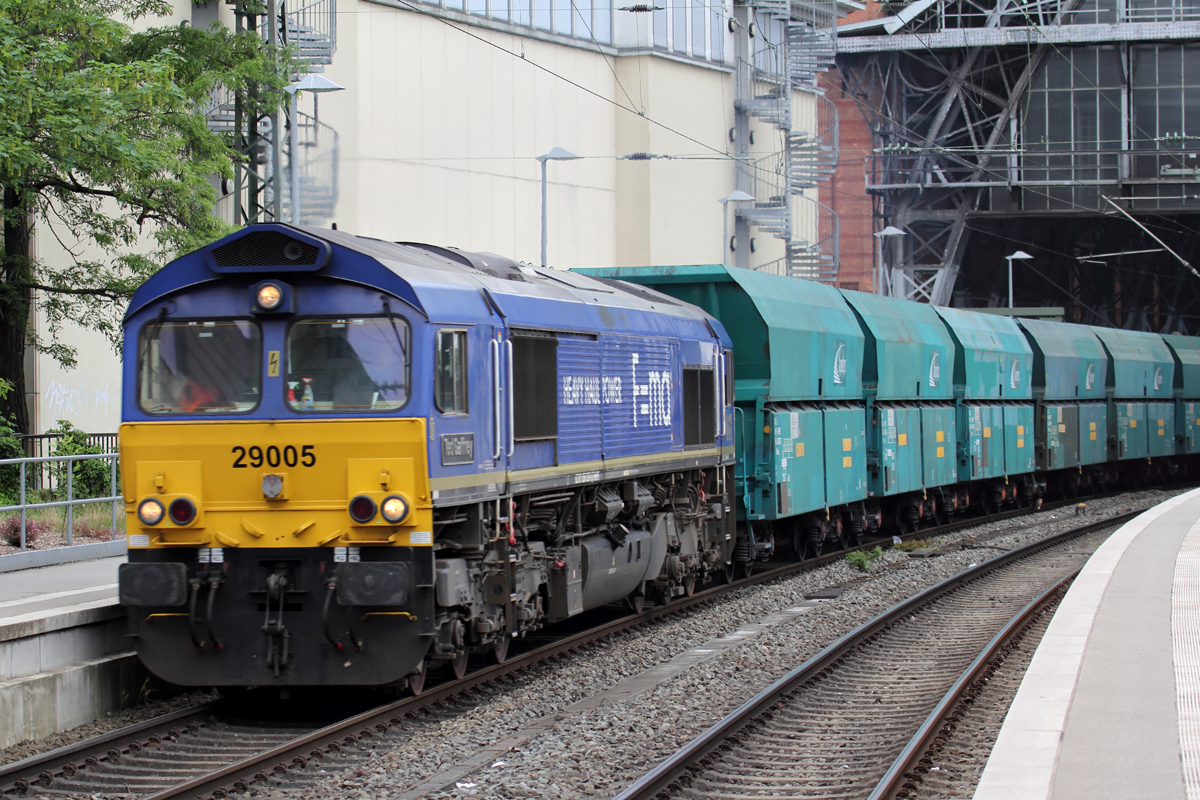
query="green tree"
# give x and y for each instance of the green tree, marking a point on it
(104, 144)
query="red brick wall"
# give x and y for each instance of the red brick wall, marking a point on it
(846, 191)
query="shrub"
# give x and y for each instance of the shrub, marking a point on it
(10, 531)
(10, 447)
(863, 558)
(89, 478)
(101, 533)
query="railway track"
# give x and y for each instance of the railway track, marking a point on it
(879, 696)
(201, 752)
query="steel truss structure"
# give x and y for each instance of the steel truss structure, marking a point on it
(1003, 125)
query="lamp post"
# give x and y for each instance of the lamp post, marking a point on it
(736, 196)
(887, 233)
(1020, 255)
(556, 154)
(317, 84)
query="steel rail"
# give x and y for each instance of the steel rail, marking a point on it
(20, 775)
(328, 739)
(899, 777)
(666, 774)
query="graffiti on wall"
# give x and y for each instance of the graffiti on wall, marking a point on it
(64, 402)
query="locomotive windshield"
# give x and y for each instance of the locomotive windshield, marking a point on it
(349, 365)
(200, 366)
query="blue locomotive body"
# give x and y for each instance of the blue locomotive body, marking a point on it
(402, 454)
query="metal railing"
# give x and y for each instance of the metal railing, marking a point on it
(23, 506)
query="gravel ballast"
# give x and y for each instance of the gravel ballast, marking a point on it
(596, 751)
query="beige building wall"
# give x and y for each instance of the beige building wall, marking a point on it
(437, 135)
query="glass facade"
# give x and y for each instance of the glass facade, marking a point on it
(590, 20)
(1096, 119)
(693, 28)
(1072, 128)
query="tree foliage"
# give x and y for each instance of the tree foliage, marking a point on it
(104, 146)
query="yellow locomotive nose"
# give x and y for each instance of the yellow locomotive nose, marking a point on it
(317, 484)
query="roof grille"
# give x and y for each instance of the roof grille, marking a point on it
(266, 249)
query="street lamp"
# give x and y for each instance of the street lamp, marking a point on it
(556, 154)
(736, 196)
(1020, 255)
(317, 84)
(887, 233)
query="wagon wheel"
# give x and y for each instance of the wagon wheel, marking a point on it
(689, 585)
(813, 549)
(743, 569)
(416, 681)
(730, 572)
(500, 647)
(636, 602)
(458, 665)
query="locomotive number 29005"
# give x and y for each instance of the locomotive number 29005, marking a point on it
(274, 456)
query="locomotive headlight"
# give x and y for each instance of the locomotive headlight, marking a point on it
(269, 296)
(150, 511)
(394, 509)
(362, 509)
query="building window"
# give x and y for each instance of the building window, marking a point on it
(1072, 129)
(590, 20)
(450, 372)
(535, 378)
(691, 27)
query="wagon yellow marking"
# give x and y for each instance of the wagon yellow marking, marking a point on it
(902, 439)
(846, 444)
(847, 461)
(941, 436)
(799, 449)
(941, 452)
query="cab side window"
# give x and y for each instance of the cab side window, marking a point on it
(450, 372)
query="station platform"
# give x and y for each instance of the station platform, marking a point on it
(65, 658)
(44, 589)
(1110, 705)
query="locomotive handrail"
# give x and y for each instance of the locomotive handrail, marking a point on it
(512, 436)
(495, 400)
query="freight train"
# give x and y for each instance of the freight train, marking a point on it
(349, 462)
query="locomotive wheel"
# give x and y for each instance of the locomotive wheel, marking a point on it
(416, 682)
(458, 665)
(500, 648)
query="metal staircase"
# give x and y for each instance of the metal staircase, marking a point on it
(260, 191)
(791, 44)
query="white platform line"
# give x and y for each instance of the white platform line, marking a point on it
(34, 598)
(1185, 638)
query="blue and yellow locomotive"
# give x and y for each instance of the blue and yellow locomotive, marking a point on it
(348, 461)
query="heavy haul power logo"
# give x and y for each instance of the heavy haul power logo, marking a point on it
(1158, 380)
(651, 400)
(1014, 379)
(839, 364)
(935, 369)
(1089, 380)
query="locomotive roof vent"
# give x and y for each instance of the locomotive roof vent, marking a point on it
(270, 250)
